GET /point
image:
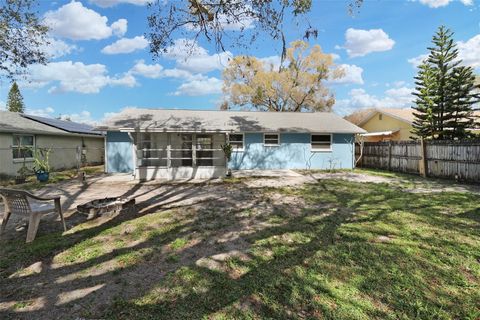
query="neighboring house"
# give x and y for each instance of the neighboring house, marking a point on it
(63, 137)
(387, 124)
(170, 144)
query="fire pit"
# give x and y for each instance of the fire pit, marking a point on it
(105, 206)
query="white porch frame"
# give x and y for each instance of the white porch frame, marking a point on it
(172, 172)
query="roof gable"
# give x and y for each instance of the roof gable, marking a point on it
(363, 116)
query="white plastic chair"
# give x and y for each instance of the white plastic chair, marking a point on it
(17, 202)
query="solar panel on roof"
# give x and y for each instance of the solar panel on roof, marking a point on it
(69, 126)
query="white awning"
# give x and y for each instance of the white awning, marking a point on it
(379, 133)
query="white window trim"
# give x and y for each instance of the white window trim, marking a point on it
(30, 159)
(270, 144)
(321, 150)
(243, 141)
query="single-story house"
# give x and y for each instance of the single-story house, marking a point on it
(20, 133)
(170, 144)
(387, 124)
(384, 124)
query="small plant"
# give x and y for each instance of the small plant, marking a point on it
(41, 157)
(227, 149)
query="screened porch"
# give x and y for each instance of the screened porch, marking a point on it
(173, 155)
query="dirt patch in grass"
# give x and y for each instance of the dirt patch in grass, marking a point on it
(352, 176)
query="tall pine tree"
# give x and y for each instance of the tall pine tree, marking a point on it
(462, 97)
(425, 121)
(15, 99)
(445, 92)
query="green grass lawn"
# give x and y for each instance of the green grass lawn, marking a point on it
(331, 250)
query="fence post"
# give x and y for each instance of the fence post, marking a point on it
(422, 165)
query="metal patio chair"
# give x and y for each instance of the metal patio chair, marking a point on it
(17, 202)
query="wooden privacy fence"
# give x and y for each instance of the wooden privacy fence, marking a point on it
(458, 160)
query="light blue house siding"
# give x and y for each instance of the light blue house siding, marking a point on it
(294, 152)
(119, 152)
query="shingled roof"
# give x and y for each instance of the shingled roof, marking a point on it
(169, 120)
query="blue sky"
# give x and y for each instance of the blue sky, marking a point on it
(101, 62)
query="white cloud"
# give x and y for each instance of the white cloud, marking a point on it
(352, 74)
(74, 21)
(41, 112)
(272, 62)
(112, 3)
(193, 85)
(443, 3)
(359, 43)
(205, 63)
(182, 74)
(119, 27)
(155, 71)
(359, 99)
(468, 52)
(127, 80)
(152, 71)
(398, 84)
(83, 116)
(58, 48)
(335, 56)
(416, 61)
(200, 87)
(68, 76)
(126, 45)
(189, 56)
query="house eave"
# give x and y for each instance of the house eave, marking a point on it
(264, 130)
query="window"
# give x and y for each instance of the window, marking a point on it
(271, 139)
(22, 146)
(380, 116)
(236, 141)
(321, 142)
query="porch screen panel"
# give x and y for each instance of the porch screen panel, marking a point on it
(218, 154)
(181, 146)
(151, 149)
(204, 150)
